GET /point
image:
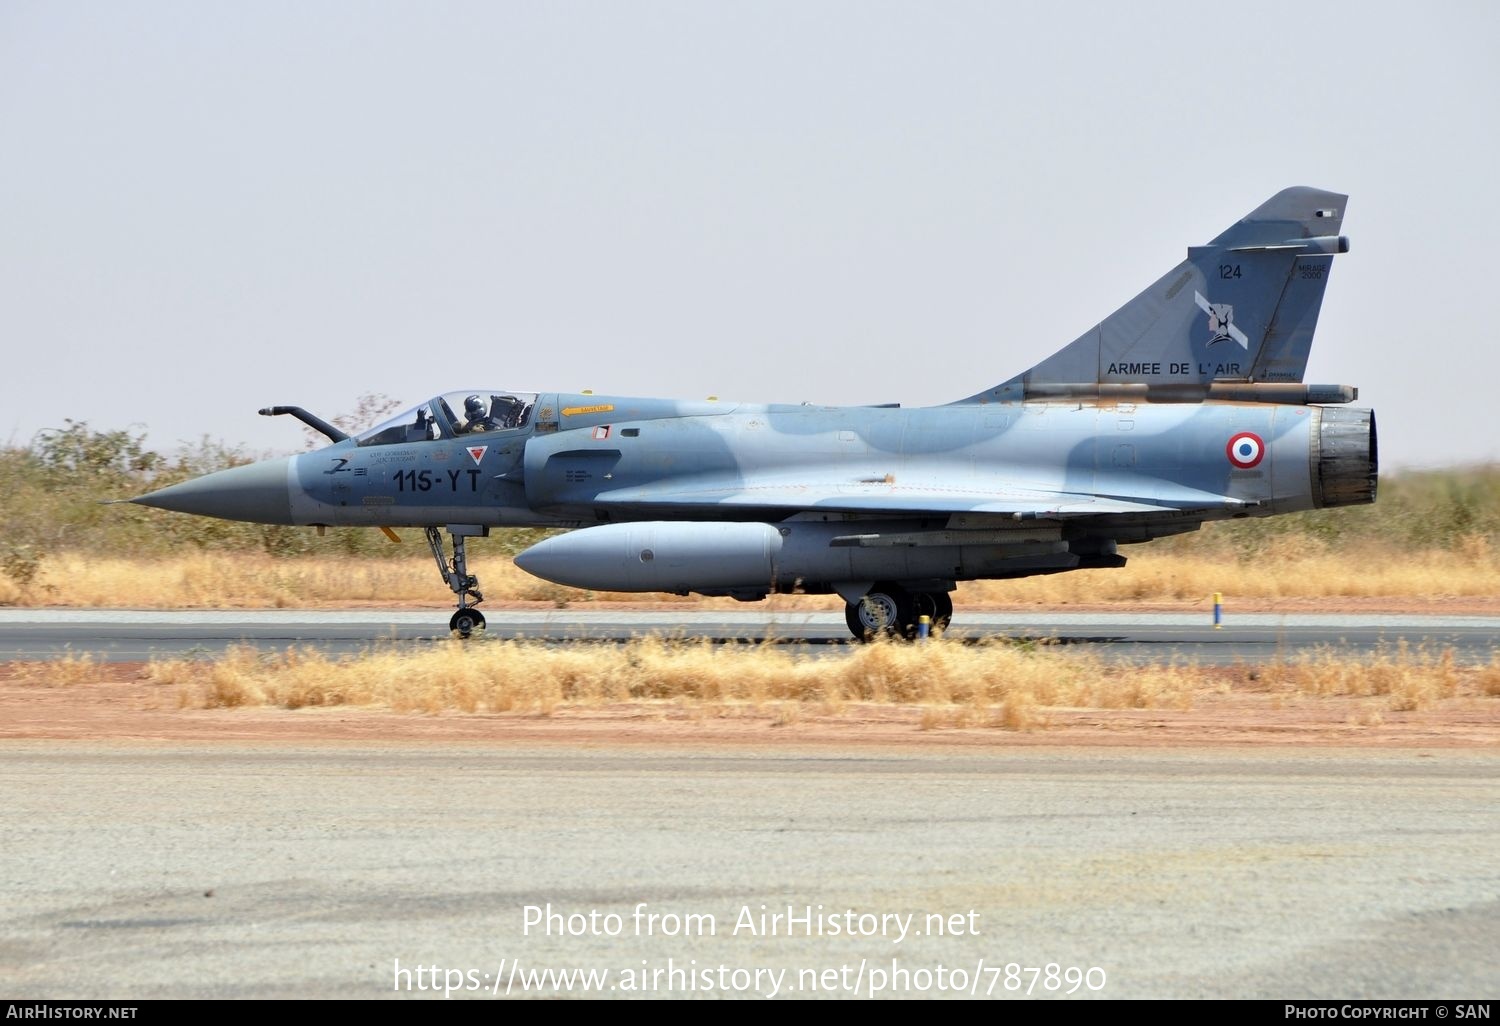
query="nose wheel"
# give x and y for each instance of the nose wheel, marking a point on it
(456, 574)
(466, 622)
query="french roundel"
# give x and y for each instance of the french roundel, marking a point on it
(1245, 450)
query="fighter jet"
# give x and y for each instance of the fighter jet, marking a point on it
(1186, 405)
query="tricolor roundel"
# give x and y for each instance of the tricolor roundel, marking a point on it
(1245, 450)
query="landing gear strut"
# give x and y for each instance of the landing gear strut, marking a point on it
(462, 583)
(891, 611)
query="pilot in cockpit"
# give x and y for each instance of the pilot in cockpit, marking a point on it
(475, 416)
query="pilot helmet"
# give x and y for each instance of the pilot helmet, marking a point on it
(474, 406)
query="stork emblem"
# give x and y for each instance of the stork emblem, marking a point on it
(1221, 322)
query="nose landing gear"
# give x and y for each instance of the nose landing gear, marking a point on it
(456, 574)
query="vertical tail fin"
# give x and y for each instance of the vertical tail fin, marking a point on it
(1239, 310)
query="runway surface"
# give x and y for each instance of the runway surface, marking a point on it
(293, 870)
(298, 866)
(131, 635)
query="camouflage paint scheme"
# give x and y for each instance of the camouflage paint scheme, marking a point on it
(1186, 405)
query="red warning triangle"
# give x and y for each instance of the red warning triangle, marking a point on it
(476, 452)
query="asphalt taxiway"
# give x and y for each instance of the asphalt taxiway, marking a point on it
(126, 635)
(221, 870)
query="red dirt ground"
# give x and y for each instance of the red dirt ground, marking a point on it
(120, 703)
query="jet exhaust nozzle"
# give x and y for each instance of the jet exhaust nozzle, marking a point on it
(1346, 460)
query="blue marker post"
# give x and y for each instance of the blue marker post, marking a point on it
(1218, 610)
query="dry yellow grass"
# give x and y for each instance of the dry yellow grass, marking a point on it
(68, 669)
(1406, 678)
(202, 580)
(218, 580)
(1296, 568)
(998, 684)
(953, 684)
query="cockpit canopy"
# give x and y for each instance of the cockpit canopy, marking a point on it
(454, 414)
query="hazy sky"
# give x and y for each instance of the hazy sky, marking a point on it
(206, 208)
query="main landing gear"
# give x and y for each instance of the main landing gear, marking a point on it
(462, 583)
(889, 610)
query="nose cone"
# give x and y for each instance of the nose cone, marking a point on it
(257, 492)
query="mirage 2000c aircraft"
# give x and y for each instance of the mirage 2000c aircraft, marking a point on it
(1185, 405)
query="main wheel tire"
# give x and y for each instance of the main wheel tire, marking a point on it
(936, 606)
(465, 622)
(872, 616)
(883, 612)
(944, 614)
